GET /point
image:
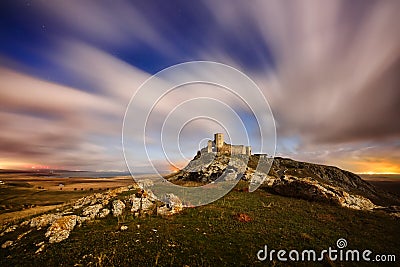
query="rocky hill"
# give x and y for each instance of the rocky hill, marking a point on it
(291, 178)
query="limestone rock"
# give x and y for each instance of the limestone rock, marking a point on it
(40, 249)
(61, 228)
(172, 205)
(344, 180)
(145, 184)
(356, 202)
(7, 244)
(173, 201)
(23, 234)
(104, 213)
(310, 189)
(10, 229)
(124, 227)
(117, 207)
(24, 223)
(92, 211)
(44, 220)
(41, 246)
(140, 203)
(96, 198)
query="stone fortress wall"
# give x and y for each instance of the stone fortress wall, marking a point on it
(219, 146)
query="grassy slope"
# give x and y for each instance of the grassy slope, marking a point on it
(210, 235)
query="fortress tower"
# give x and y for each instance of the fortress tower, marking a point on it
(209, 146)
(219, 140)
(248, 150)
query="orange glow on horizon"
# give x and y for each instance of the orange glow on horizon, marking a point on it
(374, 167)
(10, 165)
(173, 168)
(362, 167)
(14, 165)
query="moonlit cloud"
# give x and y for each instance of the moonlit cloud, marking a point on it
(41, 119)
(337, 78)
(335, 87)
(328, 69)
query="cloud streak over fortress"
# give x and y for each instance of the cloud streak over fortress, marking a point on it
(328, 70)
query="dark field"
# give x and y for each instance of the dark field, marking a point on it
(387, 182)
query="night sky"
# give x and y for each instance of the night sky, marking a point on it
(329, 70)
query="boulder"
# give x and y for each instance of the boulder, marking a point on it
(92, 211)
(7, 244)
(96, 198)
(61, 228)
(143, 204)
(356, 202)
(104, 213)
(117, 207)
(172, 205)
(44, 220)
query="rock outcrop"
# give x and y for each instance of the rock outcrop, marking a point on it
(208, 167)
(117, 207)
(44, 220)
(104, 213)
(92, 211)
(7, 244)
(141, 203)
(172, 205)
(289, 178)
(61, 228)
(310, 189)
(93, 207)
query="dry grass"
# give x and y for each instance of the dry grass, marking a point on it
(24, 196)
(70, 184)
(17, 215)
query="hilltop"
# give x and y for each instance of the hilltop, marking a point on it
(288, 177)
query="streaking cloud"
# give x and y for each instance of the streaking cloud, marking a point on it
(329, 71)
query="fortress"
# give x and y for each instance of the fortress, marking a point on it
(219, 146)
